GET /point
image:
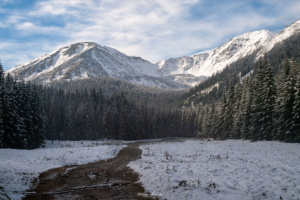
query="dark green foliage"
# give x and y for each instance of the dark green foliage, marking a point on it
(296, 112)
(262, 109)
(246, 110)
(21, 122)
(285, 102)
(90, 115)
(268, 96)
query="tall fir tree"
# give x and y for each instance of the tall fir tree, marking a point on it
(247, 111)
(227, 127)
(268, 96)
(285, 103)
(238, 109)
(257, 105)
(220, 134)
(296, 112)
(1, 74)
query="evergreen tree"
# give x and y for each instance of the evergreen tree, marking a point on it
(247, 110)
(227, 127)
(268, 96)
(296, 112)
(257, 106)
(238, 110)
(1, 74)
(285, 101)
(221, 120)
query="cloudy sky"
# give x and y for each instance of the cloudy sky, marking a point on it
(152, 29)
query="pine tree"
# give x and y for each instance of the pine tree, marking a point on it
(284, 111)
(257, 106)
(221, 119)
(12, 124)
(205, 123)
(1, 74)
(229, 114)
(268, 96)
(212, 120)
(37, 120)
(247, 110)
(296, 112)
(238, 110)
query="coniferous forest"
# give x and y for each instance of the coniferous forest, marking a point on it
(258, 108)
(21, 119)
(255, 100)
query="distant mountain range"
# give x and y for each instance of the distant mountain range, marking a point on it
(90, 60)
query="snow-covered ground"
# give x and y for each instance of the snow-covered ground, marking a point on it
(19, 167)
(231, 169)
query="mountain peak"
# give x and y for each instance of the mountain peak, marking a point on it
(284, 34)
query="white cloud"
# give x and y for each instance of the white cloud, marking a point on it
(154, 30)
(7, 1)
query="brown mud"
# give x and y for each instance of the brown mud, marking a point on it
(108, 179)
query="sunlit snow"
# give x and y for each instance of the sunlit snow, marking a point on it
(229, 169)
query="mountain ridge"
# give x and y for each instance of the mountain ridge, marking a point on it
(91, 60)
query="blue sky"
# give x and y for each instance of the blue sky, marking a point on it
(152, 29)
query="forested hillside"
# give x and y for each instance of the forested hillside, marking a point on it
(259, 108)
(289, 48)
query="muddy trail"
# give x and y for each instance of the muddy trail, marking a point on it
(108, 179)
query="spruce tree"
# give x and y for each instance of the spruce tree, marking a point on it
(227, 127)
(247, 112)
(12, 124)
(286, 98)
(1, 74)
(37, 120)
(238, 109)
(221, 119)
(296, 112)
(258, 104)
(268, 96)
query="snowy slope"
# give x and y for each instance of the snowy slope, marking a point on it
(208, 63)
(284, 34)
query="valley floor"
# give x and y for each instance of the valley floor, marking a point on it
(173, 169)
(231, 169)
(18, 168)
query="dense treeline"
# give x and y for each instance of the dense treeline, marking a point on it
(91, 115)
(259, 109)
(153, 96)
(21, 122)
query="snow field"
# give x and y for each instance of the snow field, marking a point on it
(231, 169)
(18, 168)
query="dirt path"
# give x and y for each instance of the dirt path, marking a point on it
(109, 179)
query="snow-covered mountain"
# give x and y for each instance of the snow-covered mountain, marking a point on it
(208, 63)
(88, 60)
